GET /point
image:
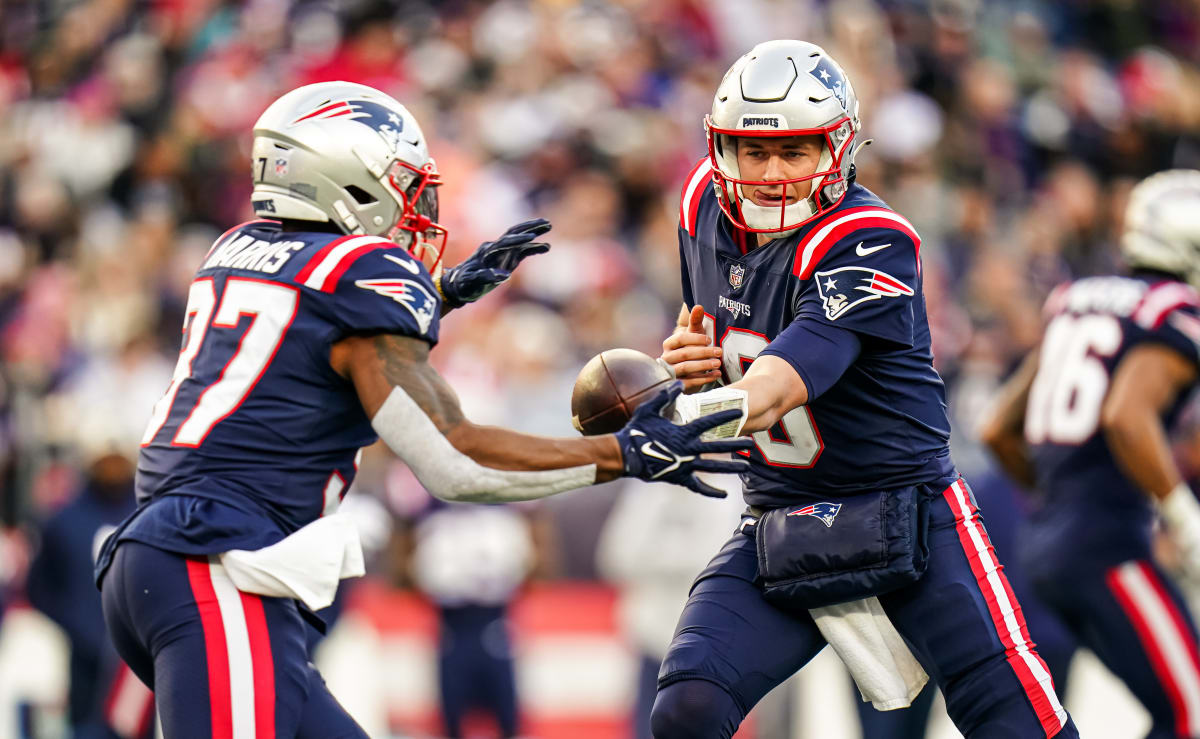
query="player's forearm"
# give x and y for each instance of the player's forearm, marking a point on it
(1012, 453)
(504, 449)
(1139, 444)
(451, 474)
(772, 389)
(416, 414)
(1003, 428)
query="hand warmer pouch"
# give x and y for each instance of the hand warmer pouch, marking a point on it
(844, 549)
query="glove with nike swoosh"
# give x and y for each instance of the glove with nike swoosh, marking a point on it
(492, 263)
(657, 450)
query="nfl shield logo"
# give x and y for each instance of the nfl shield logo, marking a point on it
(281, 166)
(736, 273)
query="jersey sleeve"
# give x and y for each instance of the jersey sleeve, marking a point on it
(865, 282)
(819, 353)
(384, 290)
(685, 277)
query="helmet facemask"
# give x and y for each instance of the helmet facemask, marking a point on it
(828, 182)
(416, 229)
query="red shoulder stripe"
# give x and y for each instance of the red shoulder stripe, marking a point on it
(1160, 300)
(693, 188)
(317, 258)
(817, 242)
(331, 262)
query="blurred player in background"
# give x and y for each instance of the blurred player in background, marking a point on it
(470, 561)
(804, 291)
(104, 699)
(1085, 420)
(307, 337)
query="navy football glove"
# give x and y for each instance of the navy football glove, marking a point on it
(492, 263)
(656, 449)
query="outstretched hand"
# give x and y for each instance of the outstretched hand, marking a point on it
(655, 449)
(492, 263)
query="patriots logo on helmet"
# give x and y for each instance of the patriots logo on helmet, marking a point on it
(737, 273)
(823, 512)
(831, 77)
(412, 295)
(381, 119)
(845, 287)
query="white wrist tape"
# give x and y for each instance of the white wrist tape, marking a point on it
(1181, 512)
(690, 407)
(451, 475)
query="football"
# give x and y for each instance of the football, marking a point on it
(610, 386)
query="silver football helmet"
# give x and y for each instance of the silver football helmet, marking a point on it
(783, 88)
(347, 154)
(1162, 224)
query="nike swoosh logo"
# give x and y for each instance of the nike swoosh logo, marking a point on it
(408, 264)
(649, 451)
(862, 252)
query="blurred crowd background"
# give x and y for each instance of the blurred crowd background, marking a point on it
(1008, 132)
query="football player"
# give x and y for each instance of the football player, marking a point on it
(802, 291)
(307, 337)
(1085, 420)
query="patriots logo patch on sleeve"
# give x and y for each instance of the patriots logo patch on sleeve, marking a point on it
(823, 512)
(845, 287)
(409, 293)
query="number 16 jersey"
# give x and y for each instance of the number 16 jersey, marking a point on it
(1091, 513)
(257, 436)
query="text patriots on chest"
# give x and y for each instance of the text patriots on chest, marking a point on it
(733, 306)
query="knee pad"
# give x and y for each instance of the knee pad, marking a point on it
(694, 709)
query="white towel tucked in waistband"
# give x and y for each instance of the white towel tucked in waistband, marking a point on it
(873, 651)
(306, 566)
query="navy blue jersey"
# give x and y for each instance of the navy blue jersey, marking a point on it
(841, 301)
(256, 435)
(1090, 507)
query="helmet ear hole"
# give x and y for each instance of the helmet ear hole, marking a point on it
(361, 196)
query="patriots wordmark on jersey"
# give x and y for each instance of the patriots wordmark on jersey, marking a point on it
(255, 422)
(1092, 512)
(855, 274)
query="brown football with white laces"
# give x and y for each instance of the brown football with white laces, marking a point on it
(611, 386)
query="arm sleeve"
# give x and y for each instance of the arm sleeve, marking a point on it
(685, 280)
(866, 283)
(818, 351)
(386, 291)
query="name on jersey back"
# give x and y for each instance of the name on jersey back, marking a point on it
(1114, 295)
(247, 252)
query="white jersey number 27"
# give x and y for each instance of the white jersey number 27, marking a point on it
(1069, 389)
(271, 306)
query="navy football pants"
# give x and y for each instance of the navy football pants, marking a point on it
(222, 663)
(1136, 621)
(960, 619)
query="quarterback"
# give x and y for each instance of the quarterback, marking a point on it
(307, 336)
(803, 294)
